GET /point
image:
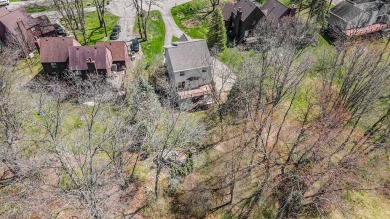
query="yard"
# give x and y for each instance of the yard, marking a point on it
(153, 47)
(95, 33)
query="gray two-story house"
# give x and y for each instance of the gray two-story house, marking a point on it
(188, 64)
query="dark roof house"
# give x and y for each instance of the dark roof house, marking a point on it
(358, 17)
(90, 59)
(24, 28)
(240, 18)
(274, 10)
(54, 53)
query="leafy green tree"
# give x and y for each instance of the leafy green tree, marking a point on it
(217, 31)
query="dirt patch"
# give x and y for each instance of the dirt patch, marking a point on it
(193, 23)
(180, 15)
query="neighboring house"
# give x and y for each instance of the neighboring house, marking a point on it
(274, 10)
(189, 68)
(240, 18)
(359, 17)
(90, 59)
(23, 28)
(120, 54)
(54, 53)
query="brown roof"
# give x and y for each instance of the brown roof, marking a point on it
(45, 24)
(55, 49)
(78, 56)
(247, 7)
(118, 50)
(273, 9)
(3, 11)
(10, 20)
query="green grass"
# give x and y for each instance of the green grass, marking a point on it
(175, 38)
(95, 33)
(14, 0)
(153, 47)
(183, 13)
(39, 9)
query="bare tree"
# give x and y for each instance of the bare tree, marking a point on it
(72, 11)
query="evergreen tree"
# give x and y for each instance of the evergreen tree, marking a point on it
(217, 31)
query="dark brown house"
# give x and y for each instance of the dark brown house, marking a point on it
(90, 59)
(274, 10)
(54, 54)
(241, 18)
(23, 28)
(120, 54)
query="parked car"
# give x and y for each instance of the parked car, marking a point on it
(59, 30)
(4, 2)
(134, 45)
(132, 55)
(118, 27)
(114, 35)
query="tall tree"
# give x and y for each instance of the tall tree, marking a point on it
(216, 37)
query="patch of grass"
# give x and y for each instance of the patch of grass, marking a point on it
(153, 47)
(95, 33)
(175, 38)
(191, 14)
(36, 9)
(14, 0)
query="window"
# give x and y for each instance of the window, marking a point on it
(53, 65)
(204, 70)
(182, 73)
(181, 85)
(33, 29)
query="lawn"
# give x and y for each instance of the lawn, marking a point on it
(189, 18)
(41, 8)
(156, 36)
(95, 33)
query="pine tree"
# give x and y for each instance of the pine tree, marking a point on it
(216, 37)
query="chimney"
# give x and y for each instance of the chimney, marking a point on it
(36, 42)
(293, 10)
(238, 23)
(91, 65)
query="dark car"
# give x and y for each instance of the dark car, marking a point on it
(114, 35)
(134, 45)
(118, 27)
(59, 30)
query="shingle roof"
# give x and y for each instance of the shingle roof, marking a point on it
(188, 55)
(247, 7)
(45, 24)
(273, 9)
(3, 11)
(55, 49)
(346, 11)
(78, 56)
(9, 20)
(184, 38)
(118, 50)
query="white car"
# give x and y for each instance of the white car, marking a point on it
(4, 2)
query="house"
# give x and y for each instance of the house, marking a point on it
(189, 68)
(54, 53)
(240, 18)
(120, 54)
(359, 17)
(23, 28)
(274, 10)
(90, 59)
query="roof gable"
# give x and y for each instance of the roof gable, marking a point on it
(3, 11)
(188, 55)
(247, 7)
(55, 49)
(118, 50)
(10, 19)
(273, 9)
